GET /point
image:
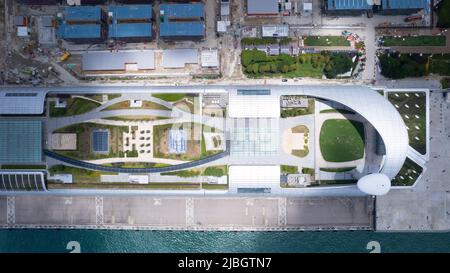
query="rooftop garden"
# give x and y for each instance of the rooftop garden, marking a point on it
(75, 106)
(342, 140)
(145, 105)
(84, 141)
(412, 108)
(299, 111)
(408, 174)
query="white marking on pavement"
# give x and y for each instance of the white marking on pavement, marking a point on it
(99, 220)
(11, 210)
(282, 211)
(189, 212)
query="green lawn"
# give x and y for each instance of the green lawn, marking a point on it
(414, 41)
(326, 41)
(75, 106)
(342, 140)
(287, 169)
(80, 176)
(416, 121)
(145, 105)
(170, 97)
(342, 111)
(337, 170)
(408, 174)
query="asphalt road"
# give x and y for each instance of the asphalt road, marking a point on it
(186, 213)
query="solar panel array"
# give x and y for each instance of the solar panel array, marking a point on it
(20, 141)
(100, 141)
(22, 181)
(177, 141)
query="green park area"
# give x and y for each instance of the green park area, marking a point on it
(75, 106)
(288, 169)
(342, 140)
(399, 66)
(326, 41)
(216, 171)
(170, 97)
(249, 41)
(443, 13)
(412, 108)
(84, 141)
(408, 174)
(145, 105)
(414, 41)
(257, 64)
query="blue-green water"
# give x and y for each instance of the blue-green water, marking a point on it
(184, 241)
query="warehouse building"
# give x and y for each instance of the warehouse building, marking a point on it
(346, 7)
(39, 2)
(262, 7)
(82, 24)
(403, 7)
(182, 21)
(131, 60)
(132, 23)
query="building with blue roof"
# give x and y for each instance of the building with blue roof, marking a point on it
(84, 33)
(85, 14)
(182, 21)
(346, 6)
(404, 6)
(130, 22)
(130, 13)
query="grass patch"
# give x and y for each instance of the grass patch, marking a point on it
(324, 183)
(126, 185)
(415, 41)
(342, 111)
(413, 116)
(443, 13)
(114, 96)
(207, 186)
(75, 106)
(301, 153)
(342, 140)
(145, 105)
(326, 41)
(408, 174)
(170, 97)
(79, 176)
(287, 169)
(337, 170)
(135, 118)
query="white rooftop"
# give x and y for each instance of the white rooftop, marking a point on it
(178, 58)
(253, 104)
(253, 176)
(209, 58)
(275, 31)
(21, 102)
(122, 60)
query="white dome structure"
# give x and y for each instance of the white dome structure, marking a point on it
(374, 184)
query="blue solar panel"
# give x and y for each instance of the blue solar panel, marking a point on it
(348, 5)
(405, 4)
(100, 141)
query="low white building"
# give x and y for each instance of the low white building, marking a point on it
(275, 31)
(259, 179)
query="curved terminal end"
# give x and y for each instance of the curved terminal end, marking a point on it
(374, 184)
